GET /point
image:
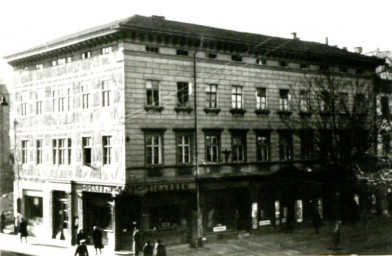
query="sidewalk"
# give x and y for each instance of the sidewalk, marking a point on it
(302, 241)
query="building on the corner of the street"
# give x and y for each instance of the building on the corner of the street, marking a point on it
(6, 159)
(108, 131)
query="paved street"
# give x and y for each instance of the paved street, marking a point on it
(302, 241)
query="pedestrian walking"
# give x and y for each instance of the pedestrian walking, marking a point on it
(148, 249)
(23, 230)
(2, 221)
(97, 240)
(159, 249)
(136, 242)
(336, 235)
(80, 236)
(81, 250)
(316, 221)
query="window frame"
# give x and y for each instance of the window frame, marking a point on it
(262, 147)
(212, 103)
(212, 147)
(25, 151)
(85, 89)
(154, 87)
(107, 150)
(237, 97)
(182, 146)
(38, 151)
(156, 158)
(284, 99)
(307, 144)
(87, 150)
(304, 101)
(261, 98)
(183, 96)
(106, 88)
(286, 145)
(238, 145)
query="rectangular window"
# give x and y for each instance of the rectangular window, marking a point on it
(107, 150)
(306, 144)
(38, 104)
(152, 49)
(69, 149)
(304, 101)
(58, 100)
(23, 105)
(86, 55)
(325, 144)
(211, 95)
(263, 146)
(212, 55)
(212, 146)
(360, 103)
(106, 50)
(184, 146)
(342, 102)
(152, 88)
(385, 106)
(284, 100)
(236, 97)
(38, 151)
(24, 151)
(261, 99)
(325, 102)
(106, 93)
(62, 150)
(182, 94)
(54, 63)
(85, 96)
(238, 146)
(54, 151)
(39, 66)
(86, 144)
(69, 99)
(285, 145)
(182, 52)
(154, 148)
(61, 61)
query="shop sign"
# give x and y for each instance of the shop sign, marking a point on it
(264, 222)
(144, 188)
(219, 228)
(101, 189)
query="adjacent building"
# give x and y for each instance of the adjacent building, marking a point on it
(178, 128)
(6, 172)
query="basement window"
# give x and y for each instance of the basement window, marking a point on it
(152, 49)
(182, 53)
(236, 58)
(212, 55)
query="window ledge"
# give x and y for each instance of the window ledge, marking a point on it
(305, 113)
(212, 110)
(154, 108)
(284, 113)
(237, 111)
(184, 109)
(262, 112)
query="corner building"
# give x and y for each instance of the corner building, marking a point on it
(108, 133)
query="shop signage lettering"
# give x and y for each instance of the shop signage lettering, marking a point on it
(101, 189)
(141, 189)
(219, 228)
(264, 222)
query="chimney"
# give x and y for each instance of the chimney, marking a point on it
(157, 17)
(358, 49)
(294, 35)
(345, 48)
(326, 40)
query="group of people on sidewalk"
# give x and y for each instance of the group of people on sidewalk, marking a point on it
(137, 247)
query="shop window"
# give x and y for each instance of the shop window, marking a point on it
(236, 102)
(184, 148)
(238, 146)
(211, 95)
(106, 91)
(263, 146)
(304, 101)
(261, 99)
(154, 148)
(152, 89)
(34, 208)
(164, 217)
(86, 144)
(24, 151)
(285, 145)
(283, 100)
(107, 150)
(182, 94)
(306, 144)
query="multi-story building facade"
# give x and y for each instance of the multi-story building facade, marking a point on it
(176, 127)
(6, 172)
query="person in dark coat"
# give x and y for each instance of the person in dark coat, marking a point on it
(316, 221)
(97, 240)
(336, 235)
(147, 249)
(23, 230)
(81, 250)
(136, 241)
(2, 222)
(80, 236)
(159, 249)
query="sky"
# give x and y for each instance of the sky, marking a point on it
(346, 23)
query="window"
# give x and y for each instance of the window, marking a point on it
(385, 106)
(61, 61)
(24, 151)
(283, 63)
(58, 100)
(62, 151)
(39, 66)
(212, 146)
(261, 61)
(325, 102)
(154, 148)
(285, 145)
(85, 96)
(23, 105)
(106, 93)
(86, 55)
(107, 149)
(54, 151)
(152, 49)
(261, 99)
(263, 145)
(212, 55)
(238, 146)
(325, 144)
(152, 88)
(386, 145)
(184, 146)
(304, 101)
(38, 151)
(86, 144)
(69, 149)
(182, 52)
(211, 95)
(69, 59)
(304, 65)
(284, 100)
(106, 50)
(182, 94)
(59, 151)
(38, 104)
(306, 144)
(165, 217)
(54, 63)
(236, 97)
(342, 102)
(360, 103)
(236, 58)
(69, 99)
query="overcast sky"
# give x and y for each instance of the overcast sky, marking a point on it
(346, 23)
